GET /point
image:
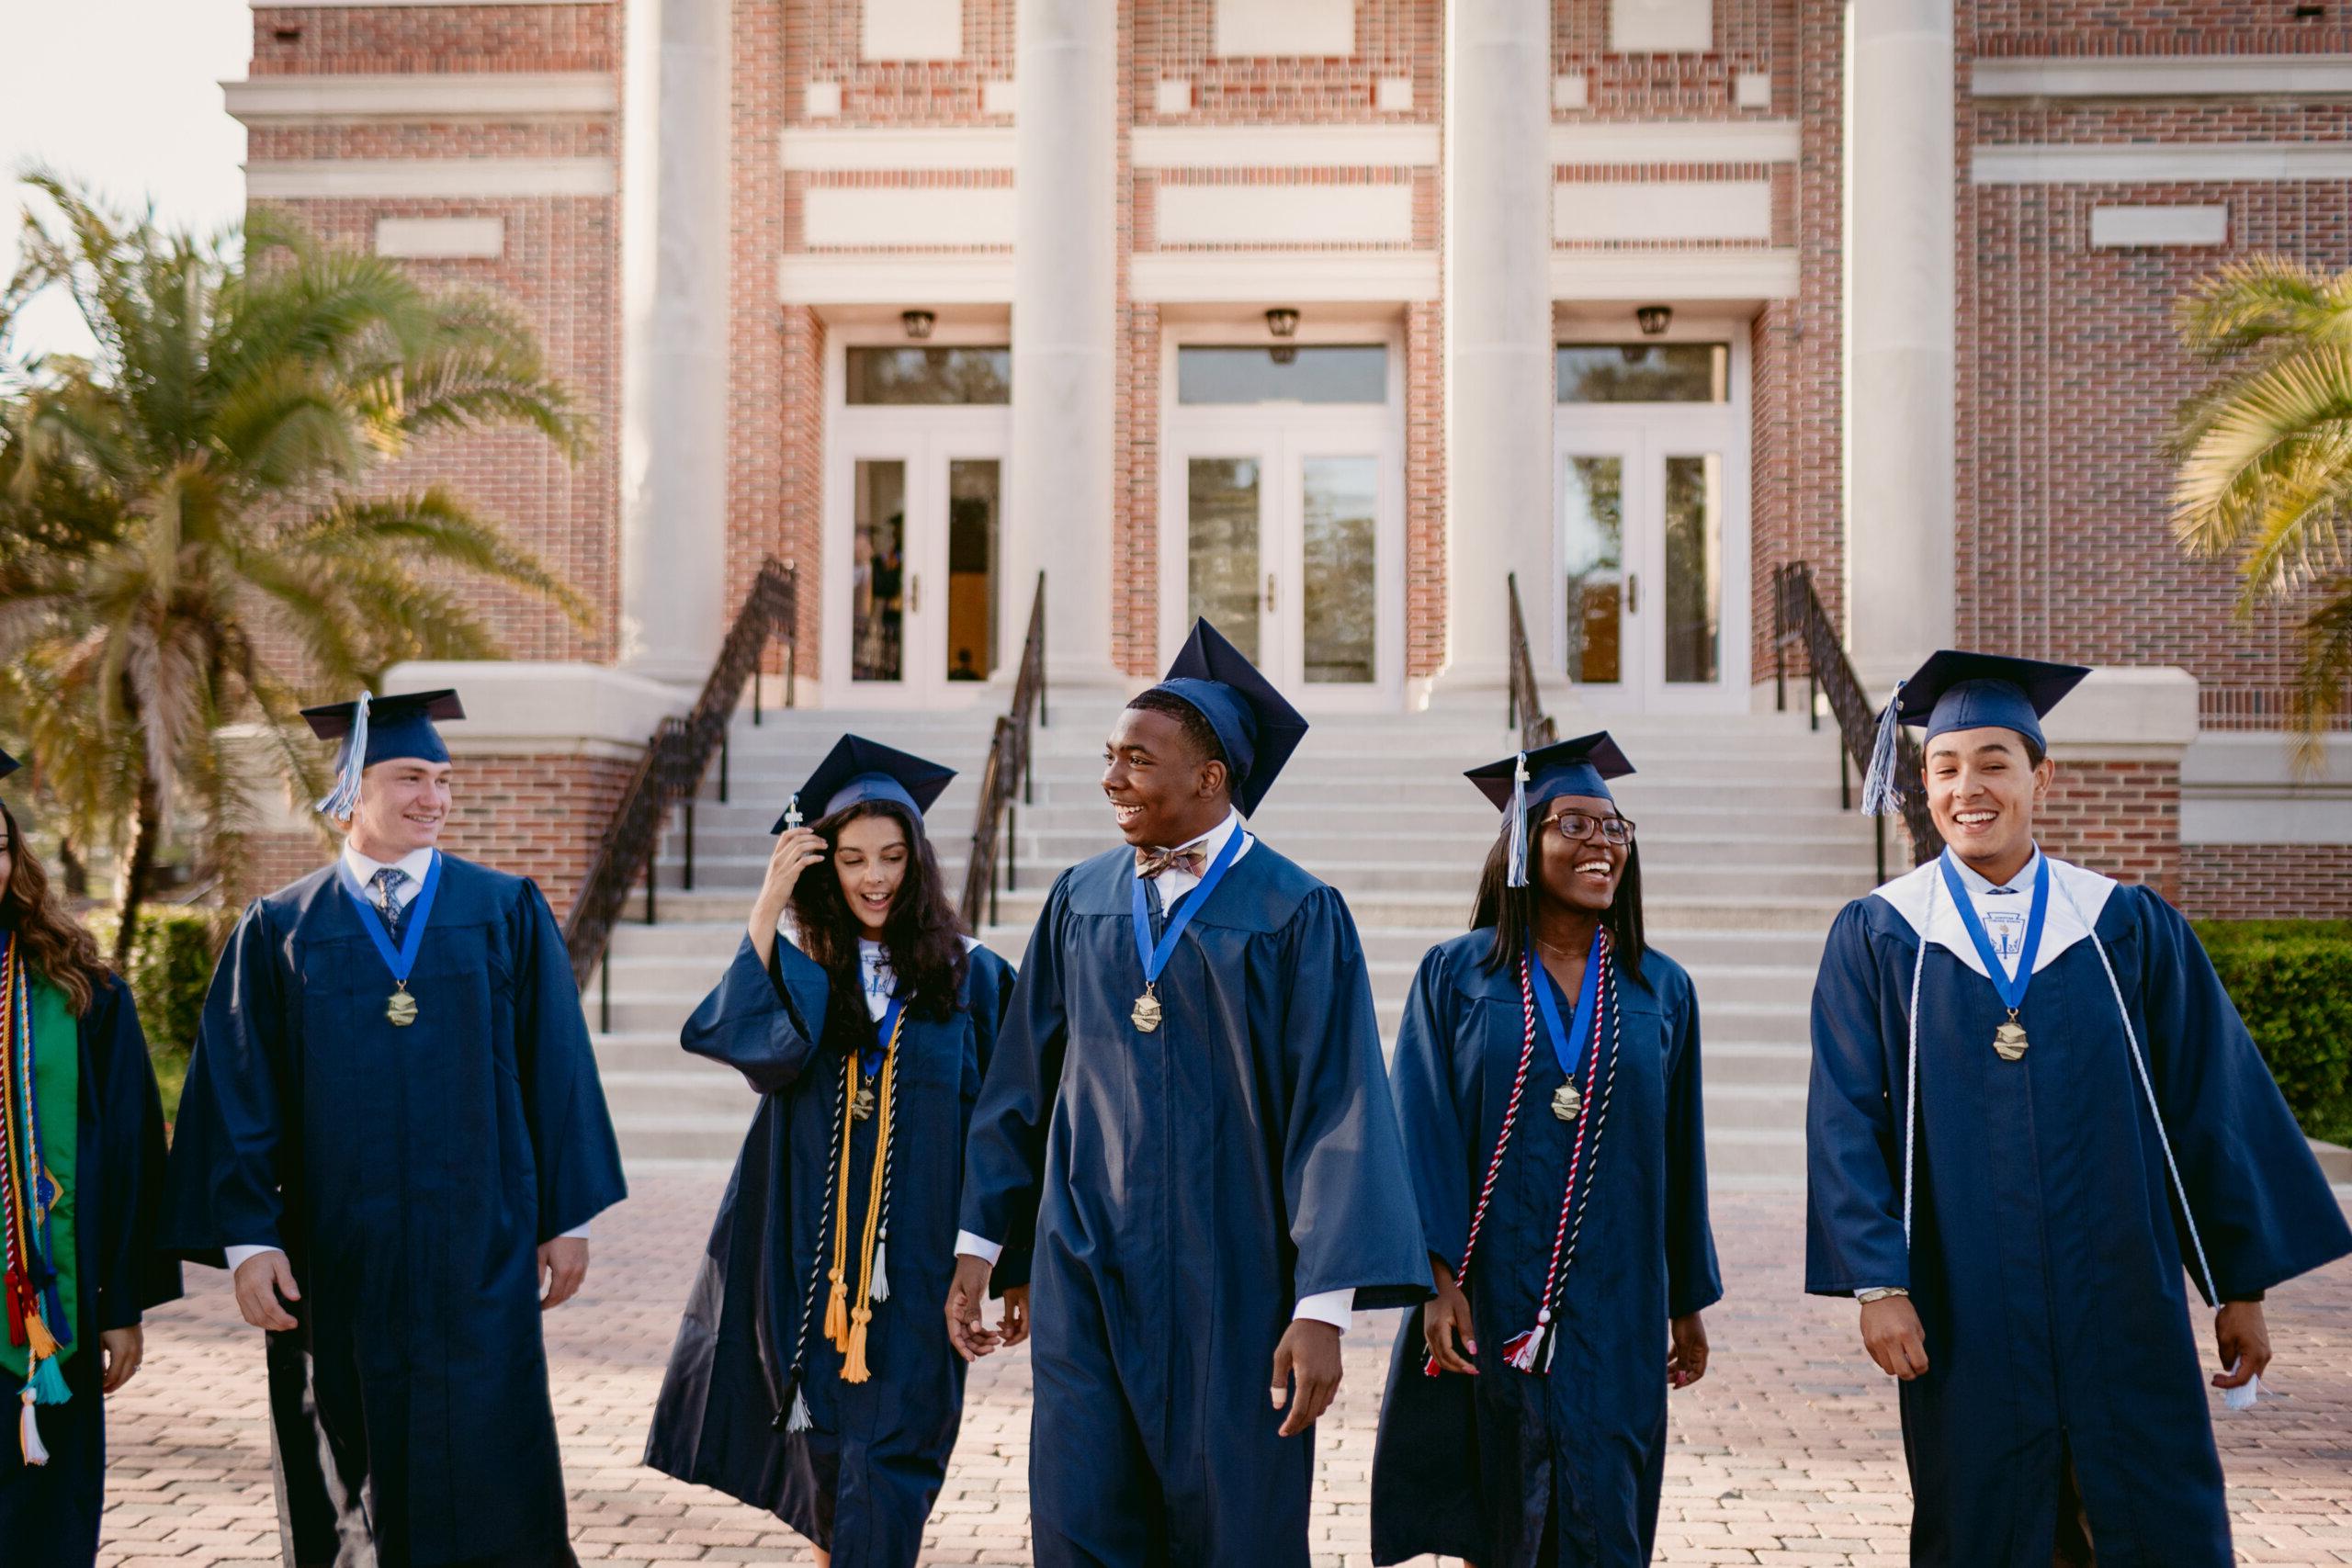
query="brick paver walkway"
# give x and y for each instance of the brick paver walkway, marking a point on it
(1787, 1454)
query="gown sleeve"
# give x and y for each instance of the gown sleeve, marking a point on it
(1693, 1280)
(1437, 1108)
(572, 1131)
(2261, 1205)
(764, 1020)
(992, 987)
(223, 1188)
(132, 1273)
(1005, 1154)
(1853, 1142)
(1353, 1217)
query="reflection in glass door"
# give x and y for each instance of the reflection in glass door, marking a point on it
(1221, 549)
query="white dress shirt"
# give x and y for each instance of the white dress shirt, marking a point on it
(1334, 1307)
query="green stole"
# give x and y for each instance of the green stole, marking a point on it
(57, 1106)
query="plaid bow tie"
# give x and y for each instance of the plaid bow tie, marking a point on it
(1191, 861)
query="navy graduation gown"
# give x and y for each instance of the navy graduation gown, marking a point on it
(1188, 1186)
(1476, 1467)
(410, 1175)
(860, 1481)
(49, 1515)
(2047, 1253)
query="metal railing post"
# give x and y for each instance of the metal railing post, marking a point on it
(689, 878)
(605, 994)
(1881, 822)
(1844, 784)
(1780, 642)
(727, 745)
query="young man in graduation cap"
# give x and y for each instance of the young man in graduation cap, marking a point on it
(2033, 1107)
(1188, 1103)
(393, 1130)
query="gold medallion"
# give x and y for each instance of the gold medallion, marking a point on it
(401, 1009)
(1566, 1102)
(863, 1106)
(2009, 1040)
(1147, 1013)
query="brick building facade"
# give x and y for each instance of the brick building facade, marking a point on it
(931, 296)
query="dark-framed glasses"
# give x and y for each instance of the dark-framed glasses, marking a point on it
(1576, 827)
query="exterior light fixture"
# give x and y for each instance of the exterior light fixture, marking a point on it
(917, 324)
(1283, 322)
(1654, 319)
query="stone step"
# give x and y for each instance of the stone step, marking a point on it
(1782, 1067)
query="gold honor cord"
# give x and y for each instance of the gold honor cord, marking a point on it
(847, 1328)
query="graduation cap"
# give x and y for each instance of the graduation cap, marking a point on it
(857, 769)
(1519, 784)
(380, 730)
(1256, 728)
(1954, 690)
(8, 764)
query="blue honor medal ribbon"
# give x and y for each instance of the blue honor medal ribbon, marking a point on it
(1568, 1048)
(1146, 1016)
(870, 1060)
(401, 1009)
(2008, 1039)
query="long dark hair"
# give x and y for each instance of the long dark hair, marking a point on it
(922, 937)
(61, 951)
(1511, 911)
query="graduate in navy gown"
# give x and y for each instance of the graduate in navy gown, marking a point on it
(1547, 1077)
(393, 1129)
(2034, 1108)
(1189, 1101)
(81, 1184)
(812, 1376)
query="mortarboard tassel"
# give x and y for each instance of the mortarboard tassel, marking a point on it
(837, 1313)
(340, 800)
(1522, 1350)
(854, 1368)
(1880, 796)
(1518, 877)
(28, 1434)
(880, 1289)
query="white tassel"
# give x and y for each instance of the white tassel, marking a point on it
(799, 1421)
(1880, 797)
(344, 797)
(28, 1434)
(1518, 877)
(879, 1290)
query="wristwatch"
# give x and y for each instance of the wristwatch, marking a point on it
(1880, 1294)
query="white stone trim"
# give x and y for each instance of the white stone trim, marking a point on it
(537, 95)
(387, 5)
(865, 217)
(1570, 92)
(1000, 96)
(1290, 276)
(1708, 273)
(1281, 146)
(1172, 95)
(300, 179)
(860, 150)
(911, 30)
(1261, 29)
(1584, 211)
(1286, 214)
(2123, 713)
(1661, 27)
(2119, 226)
(2148, 163)
(534, 705)
(2240, 787)
(1676, 141)
(2162, 75)
(441, 239)
(867, 277)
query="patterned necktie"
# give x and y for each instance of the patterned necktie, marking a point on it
(388, 882)
(1191, 861)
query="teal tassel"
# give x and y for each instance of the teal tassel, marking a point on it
(344, 797)
(48, 1383)
(1517, 876)
(1880, 797)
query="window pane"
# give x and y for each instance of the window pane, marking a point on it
(978, 375)
(1313, 373)
(879, 570)
(973, 488)
(1694, 567)
(1594, 548)
(1643, 372)
(1343, 609)
(1221, 547)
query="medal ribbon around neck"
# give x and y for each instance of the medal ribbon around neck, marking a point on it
(403, 963)
(2012, 988)
(1568, 1048)
(1155, 958)
(869, 1062)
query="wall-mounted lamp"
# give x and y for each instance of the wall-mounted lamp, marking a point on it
(1283, 322)
(919, 323)
(1654, 319)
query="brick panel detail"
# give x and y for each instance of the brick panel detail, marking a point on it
(324, 39)
(2122, 819)
(2250, 882)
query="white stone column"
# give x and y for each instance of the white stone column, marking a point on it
(1900, 362)
(1497, 336)
(1065, 264)
(676, 237)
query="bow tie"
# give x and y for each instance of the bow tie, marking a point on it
(1191, 861)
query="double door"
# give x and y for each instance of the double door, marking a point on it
(919, 503)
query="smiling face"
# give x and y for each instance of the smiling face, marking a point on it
(403, 802)
(870, 857)
(1983, 790)
(1163, 791)
(1584, 876)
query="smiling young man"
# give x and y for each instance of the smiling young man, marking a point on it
(2034, 1108)
(393, 1131)
(1187, 1107)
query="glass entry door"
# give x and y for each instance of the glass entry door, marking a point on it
(920, 600)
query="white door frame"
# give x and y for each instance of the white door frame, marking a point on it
(1647, 433)
(926, 436)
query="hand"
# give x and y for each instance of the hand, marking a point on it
(795, 852)
(1308, 1357)
(264, 1280)
(1016, 1315)
(124, 1349)
(971, 1338)
(1446, 1320)
(1893, 1335)
(564, 1264)
(1686, 1364)
(2243, 1340)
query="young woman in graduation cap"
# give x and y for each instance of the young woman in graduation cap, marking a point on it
(1547, 1079)
(81, 1182)
(812, 1375)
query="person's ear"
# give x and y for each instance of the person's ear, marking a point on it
(1212, 778)
(2045, 771)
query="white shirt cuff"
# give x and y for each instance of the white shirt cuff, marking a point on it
(579, 1231)
(238, 1254)
(1334, 1307)
(970, 1246)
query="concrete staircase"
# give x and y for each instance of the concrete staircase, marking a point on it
(1745, 858)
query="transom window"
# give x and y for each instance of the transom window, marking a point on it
(1283, 372)
(948, 375)
(1643, 372)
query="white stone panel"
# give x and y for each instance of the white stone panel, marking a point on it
(998, 97)
(1661, 27)
(1283, 146)
(1680, 210)
(440, 239)
(821, 100)
(1570, 92)
(1393, 95)
(294, 179)
(1752, 90)
(1676, 141)
(861, 216)
(1286, 28)
(1172, 95)
(1286, 215)
(911, 30)
(2114, 227)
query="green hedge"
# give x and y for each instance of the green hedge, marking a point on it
(2292, 982)
(171, 964)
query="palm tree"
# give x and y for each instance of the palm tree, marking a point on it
(2265, 456)
(196, 528)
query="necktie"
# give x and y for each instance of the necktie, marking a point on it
(1192, 860)
(388, 881)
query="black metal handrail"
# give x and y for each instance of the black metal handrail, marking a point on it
(675, 759)
(1526, 702)
(996, 820)
(1798, 616)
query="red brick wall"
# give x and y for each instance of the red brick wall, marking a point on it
(1173, 40)
(2122, 819)
(1425, 549)
(455, 37)
(2243, 882)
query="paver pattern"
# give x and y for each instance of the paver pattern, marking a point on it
(1787, 1454)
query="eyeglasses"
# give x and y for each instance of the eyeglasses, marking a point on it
(1577, 828)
